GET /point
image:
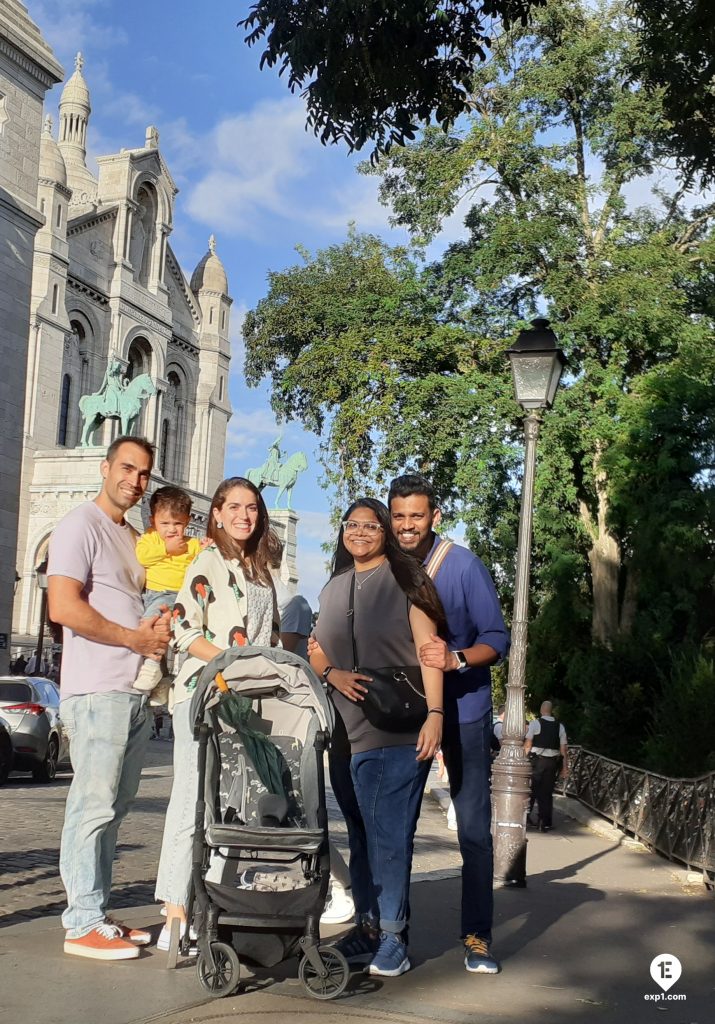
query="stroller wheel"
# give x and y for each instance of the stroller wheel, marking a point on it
(328, 982)
(220, 978)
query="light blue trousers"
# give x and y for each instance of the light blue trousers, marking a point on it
(174, 876)
(108, 735)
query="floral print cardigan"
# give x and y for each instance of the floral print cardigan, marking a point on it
(212, 603)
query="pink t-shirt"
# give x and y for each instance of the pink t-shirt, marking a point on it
(90, 547)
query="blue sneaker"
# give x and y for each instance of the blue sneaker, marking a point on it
(359, 945)
(477, 957)
(391, 958)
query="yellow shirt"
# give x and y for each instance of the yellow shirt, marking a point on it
(163, 571)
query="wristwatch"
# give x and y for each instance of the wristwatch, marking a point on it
(326, 672)
(459, 655)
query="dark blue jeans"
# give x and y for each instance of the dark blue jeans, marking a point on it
(363, 891)
(466, 750)
(389, 784)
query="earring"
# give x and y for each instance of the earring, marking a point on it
(219, 526)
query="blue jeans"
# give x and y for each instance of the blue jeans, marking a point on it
(154, 599)
(389, 784)
(363, 891)
(108, 735)
(466, 750)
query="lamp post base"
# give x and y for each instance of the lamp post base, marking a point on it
(511, 775)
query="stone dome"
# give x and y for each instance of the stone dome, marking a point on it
(52, 164)
(209, 273)
(75, 91)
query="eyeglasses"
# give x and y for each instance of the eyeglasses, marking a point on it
(352, 526)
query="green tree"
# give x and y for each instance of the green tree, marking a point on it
(370, 69)
(676, 54)
(405, 363)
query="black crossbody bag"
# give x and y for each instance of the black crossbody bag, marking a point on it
(395, 699)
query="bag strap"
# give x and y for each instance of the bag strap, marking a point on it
(434, 563)
(351, 617)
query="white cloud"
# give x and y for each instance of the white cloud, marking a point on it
(248, 438)
(256, 157)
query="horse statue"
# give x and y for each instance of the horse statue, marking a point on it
(273, 473)
(124, 406)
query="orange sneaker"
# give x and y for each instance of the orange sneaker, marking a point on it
(139, 936)
(104, 942)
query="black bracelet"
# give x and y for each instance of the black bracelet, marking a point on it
(436, 711)
(326, 672)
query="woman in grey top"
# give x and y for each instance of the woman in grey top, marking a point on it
(396, 610)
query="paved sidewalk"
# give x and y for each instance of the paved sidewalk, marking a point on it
(576, 944)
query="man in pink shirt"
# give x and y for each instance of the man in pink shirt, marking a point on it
(94, 590)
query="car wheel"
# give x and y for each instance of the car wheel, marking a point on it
(48, 769)
(6, 757)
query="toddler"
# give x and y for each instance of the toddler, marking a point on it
(166, 554)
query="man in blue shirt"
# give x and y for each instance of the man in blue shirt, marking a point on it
(477, 638)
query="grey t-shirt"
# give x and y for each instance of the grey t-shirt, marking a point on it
(90, 547)
(383, 638)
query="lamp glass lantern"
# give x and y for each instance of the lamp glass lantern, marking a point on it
(41, 574)
(536, 365)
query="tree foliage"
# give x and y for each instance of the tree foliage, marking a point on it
(677, 54)
(403, 362)
(372, 69)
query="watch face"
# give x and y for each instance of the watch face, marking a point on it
(461, 659)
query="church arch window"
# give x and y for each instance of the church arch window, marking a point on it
(64, 409)
(42, 206)
(211, 315)
(59, 215)
(143, 233)
(223, 319)
(55, 297)
(220, 389)
(175, 407)
(164, 448)
(139, 360)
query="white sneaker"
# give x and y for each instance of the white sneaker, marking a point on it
(339, 907)
(451, 818)
(149, 676)
(164, 940)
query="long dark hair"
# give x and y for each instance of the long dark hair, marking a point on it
(409, 573)
(254, 558)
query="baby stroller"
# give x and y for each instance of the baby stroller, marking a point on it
(261, 864)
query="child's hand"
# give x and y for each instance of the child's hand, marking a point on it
(176, 545)
(205, 541)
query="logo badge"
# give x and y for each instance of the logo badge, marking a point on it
(665, 970)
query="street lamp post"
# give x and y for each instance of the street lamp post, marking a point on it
(536, 365)
(41, 575)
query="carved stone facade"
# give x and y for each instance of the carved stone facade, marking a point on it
(27, 70)
(106, 283)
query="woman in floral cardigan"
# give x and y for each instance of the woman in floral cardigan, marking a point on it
(227, 600)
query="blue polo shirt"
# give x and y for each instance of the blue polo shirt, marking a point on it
(471, 606)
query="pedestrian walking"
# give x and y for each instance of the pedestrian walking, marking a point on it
(547, 746)
(94, 592)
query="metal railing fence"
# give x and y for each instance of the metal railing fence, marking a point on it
(676, 817)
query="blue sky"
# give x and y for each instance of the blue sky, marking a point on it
(236, 145)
